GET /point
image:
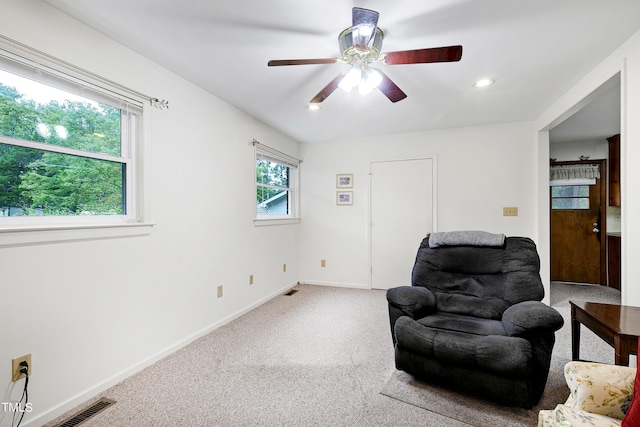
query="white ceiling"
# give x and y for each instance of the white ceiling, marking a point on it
(597, 120)
(534, 50)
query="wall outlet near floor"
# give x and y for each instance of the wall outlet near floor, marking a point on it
(510, 211)
(251, 279)
(16, 367)
(323, 263)
(220, 291)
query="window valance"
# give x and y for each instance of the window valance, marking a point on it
(574, 172)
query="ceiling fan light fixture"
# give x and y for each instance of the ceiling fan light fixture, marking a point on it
(483, 83)
(371, 79)
(365, 79)
(364, 90)
(313, 106)
(351, 79)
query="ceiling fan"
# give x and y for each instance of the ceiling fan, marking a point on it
(360, 46)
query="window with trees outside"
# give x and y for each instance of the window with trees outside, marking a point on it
(67, 152)
(276, 185)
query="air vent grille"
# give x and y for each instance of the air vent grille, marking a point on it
(87, 413)
(291, 292)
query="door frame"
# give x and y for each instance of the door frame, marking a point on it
(598, 81)
(602, 164)
(434, 201)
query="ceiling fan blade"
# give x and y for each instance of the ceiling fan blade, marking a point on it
(423, 56)
(281, 62)
(327, 90)
(390, 89)
(364, 22)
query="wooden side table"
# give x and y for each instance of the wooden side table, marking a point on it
(618, 325)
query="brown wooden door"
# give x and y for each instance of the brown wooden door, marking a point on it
(578, 238)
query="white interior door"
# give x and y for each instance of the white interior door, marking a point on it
(402, 194)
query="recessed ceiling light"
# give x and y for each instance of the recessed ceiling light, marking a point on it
(313, 107)
(483, 83)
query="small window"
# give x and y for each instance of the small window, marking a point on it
(564, 197)
(276, 186)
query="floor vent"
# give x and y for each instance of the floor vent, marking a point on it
(85, 414)
(291, 292)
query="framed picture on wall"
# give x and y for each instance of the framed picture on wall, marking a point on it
(344, 198)
(344, 180)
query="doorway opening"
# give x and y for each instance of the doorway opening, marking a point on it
(584, 135)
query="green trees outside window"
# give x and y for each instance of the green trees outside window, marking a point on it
(271, 177)
(59, 158)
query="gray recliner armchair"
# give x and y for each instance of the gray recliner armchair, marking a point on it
(473, 319)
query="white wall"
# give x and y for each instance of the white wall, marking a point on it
(625, 59)
(480, 171)
(570, 151)
(93, 312)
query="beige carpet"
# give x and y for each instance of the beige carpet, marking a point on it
(316, 358)
(320, 357)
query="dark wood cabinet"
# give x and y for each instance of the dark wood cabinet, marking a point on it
(613, 256)
(614, 170)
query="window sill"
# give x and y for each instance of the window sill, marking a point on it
(35, 235)
(262, 222)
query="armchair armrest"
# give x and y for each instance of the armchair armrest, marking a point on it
(412, 301)
(599, 388)
(527, 316)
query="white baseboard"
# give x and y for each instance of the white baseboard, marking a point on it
(94, 391)
(336, 284)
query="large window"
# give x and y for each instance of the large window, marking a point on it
(276, 185)
(67, 151)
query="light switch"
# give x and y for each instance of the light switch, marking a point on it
(510, 211)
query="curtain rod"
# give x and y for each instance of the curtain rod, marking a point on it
(255, 142)
(19, 49)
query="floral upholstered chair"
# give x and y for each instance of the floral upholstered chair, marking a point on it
(600, 395)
